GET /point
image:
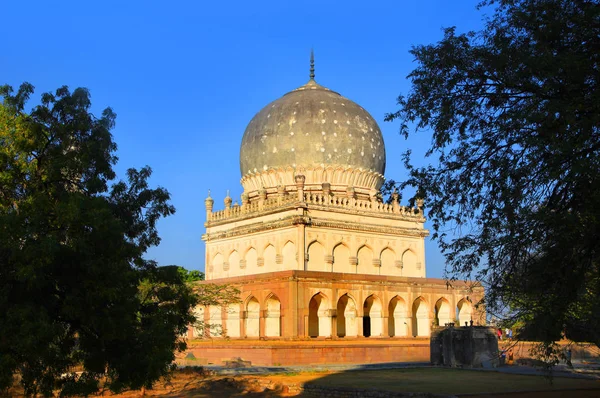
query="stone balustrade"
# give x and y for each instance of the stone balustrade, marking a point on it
(315, 200)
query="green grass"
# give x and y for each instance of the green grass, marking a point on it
(449, 381)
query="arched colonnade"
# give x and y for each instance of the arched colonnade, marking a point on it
(374, 318)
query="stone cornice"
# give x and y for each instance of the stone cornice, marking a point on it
(316, 222)
(355, 279)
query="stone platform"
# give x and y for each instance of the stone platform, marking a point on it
(307, 352)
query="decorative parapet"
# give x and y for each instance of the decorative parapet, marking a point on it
(315, 200)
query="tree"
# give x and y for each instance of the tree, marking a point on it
(76, 293)
(190, 276)
(514, 113)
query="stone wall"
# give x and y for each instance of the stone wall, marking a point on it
(473, 346)
(311, 353)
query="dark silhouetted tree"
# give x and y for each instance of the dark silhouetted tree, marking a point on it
(514, 194)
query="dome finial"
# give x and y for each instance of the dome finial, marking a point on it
(312, 64)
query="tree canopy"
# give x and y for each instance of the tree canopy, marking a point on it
(190, 276)
(514, 193)
(76, 293)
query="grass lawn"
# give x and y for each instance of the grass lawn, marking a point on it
(448, 381)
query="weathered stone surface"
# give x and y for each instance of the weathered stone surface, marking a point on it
(472, 346)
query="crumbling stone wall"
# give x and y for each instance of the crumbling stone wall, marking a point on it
(470, 346)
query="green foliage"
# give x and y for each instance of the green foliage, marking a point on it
(211, 294)
(190, 276)
(75, 291)
(514, 113)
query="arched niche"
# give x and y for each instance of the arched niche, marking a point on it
(365, 261)
(398, 317)
(346, 317)
(409, 261)
(251, 258)
(234, 261)
(316, 257)
(218, 262)
(289, 255)
(341, 259)
(388, 260)
(319, 319)
(269, 255)
(273, 317)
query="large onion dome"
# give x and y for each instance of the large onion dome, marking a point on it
(318, 133)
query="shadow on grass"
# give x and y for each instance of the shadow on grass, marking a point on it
(393, 379)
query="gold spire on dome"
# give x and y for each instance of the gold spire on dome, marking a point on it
(312, 64)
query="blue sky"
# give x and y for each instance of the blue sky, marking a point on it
(186, 77)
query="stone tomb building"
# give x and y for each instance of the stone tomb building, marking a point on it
(313, 249)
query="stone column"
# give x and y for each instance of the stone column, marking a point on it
(333, 314)
(386, 326)
(261, 323)
(262, 196)
(359, 320)
(243, 316)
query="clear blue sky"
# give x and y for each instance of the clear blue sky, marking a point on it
(185, 78)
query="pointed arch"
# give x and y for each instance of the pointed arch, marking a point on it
(272, 316)
(217, 262)
(388, 259)
(316, 257)
(346, 316)
(409, 260)
(420, 317)
(251, 260)
(398, 317)
(269, 255)
(252, 317)
(234, 260)
(364, 257)
(319, 319)
(341, 258)
(464, 312)
(443, 312)
(372, 316)
(289, 255)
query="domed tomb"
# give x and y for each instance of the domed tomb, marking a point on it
(315, 132)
